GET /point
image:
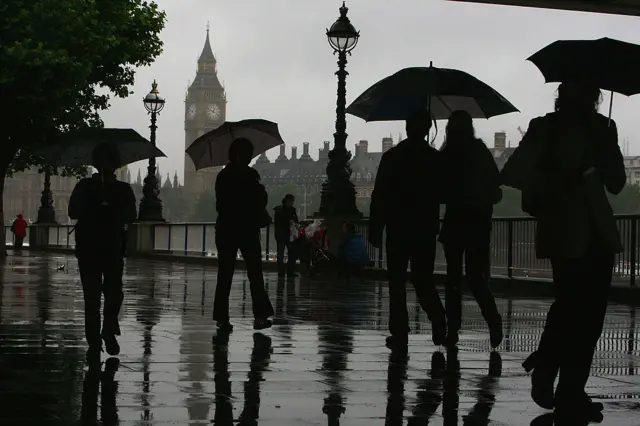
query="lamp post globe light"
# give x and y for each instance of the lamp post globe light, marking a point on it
(338, 196)
(151, 205)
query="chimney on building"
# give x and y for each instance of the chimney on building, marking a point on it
(327, 146)
(305, 152)
(365, 146)
(283, 155)
(500, 140)
(294, 152)
(387, 144)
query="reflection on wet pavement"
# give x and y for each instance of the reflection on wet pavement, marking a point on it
(324, 361)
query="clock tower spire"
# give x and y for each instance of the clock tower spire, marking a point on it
(205, 110)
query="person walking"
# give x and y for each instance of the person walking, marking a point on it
(241, 202)
(563, 165)
(406, 203)
(19, 229)
(103, 207)
(471, 188)
(284, 217)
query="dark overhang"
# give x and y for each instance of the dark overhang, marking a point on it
(616, 7)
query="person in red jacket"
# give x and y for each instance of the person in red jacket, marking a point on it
(19, 229)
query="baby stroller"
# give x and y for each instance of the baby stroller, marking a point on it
(314, 248)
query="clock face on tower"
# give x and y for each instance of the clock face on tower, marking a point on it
(213, 112)
(191, 111)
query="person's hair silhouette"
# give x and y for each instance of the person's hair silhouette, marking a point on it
(418, 124)
(241, 151)
(459, 129)
(578, 97)
(106, 158)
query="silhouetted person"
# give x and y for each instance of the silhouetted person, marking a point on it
(575, 158)
(241, 202)
(19, 229)
(283, 217)
(405, 201)
(471, 188)
(103, 206)
(353, 256)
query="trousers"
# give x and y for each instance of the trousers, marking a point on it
(249, 245)
(290, 246)
(421, 255)
(575, 320)
(101, 275)
(476, 253)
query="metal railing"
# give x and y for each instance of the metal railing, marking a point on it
(512, 247)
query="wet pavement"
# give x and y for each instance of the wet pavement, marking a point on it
(323, 363)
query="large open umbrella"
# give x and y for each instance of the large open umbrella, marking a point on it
(441, 90)
(211, 149)
(74, 149)
(609, 64)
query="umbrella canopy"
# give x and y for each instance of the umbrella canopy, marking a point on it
(609, 64)
(75, 148)
(212, 148)
(445, 90)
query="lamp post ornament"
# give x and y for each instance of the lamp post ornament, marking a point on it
(150, 204)
(46, 211)
(338, 192)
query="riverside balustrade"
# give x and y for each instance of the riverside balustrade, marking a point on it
(512, 250)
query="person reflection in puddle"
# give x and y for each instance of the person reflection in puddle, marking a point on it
(93, 379)
(103, 207)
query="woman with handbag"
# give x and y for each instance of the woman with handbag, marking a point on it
(241, 202)
(563, 165)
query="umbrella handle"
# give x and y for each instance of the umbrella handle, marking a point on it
(610, 107)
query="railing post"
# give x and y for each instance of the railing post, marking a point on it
(510, 248)
(57, 236)
(266, 243)
(186, 239)
(169, 242)
(204, 240)
(66, 229)
(634, 251)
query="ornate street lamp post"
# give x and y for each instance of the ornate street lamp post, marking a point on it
(338, 193)
(46, 211)
(151, 205)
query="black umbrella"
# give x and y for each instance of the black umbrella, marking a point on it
(211, 149)
(74, 149)
(607, 63)
(442, 90)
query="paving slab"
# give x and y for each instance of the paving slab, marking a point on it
(323, 362)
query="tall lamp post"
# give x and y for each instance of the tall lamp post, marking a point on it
(338, 196)
(151, 205)
(46, 211)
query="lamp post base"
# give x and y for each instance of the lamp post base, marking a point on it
(46, 215)
(150, 206)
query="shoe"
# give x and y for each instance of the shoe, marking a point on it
(397, 341)
(439, 332)
(580, 411)
(261, 323)
(495, 335)
(111, 345)
(224, 326)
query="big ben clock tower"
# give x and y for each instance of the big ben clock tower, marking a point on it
(205, 110)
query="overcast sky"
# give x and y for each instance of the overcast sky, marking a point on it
(275, 62)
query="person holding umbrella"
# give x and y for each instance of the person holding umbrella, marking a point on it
(241, 202)
(563, 165)
(466, 230)
(406, 202)
(103, 207)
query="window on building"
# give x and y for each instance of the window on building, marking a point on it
(357, 176)
(368, 177)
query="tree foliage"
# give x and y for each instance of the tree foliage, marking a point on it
(62, 61)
